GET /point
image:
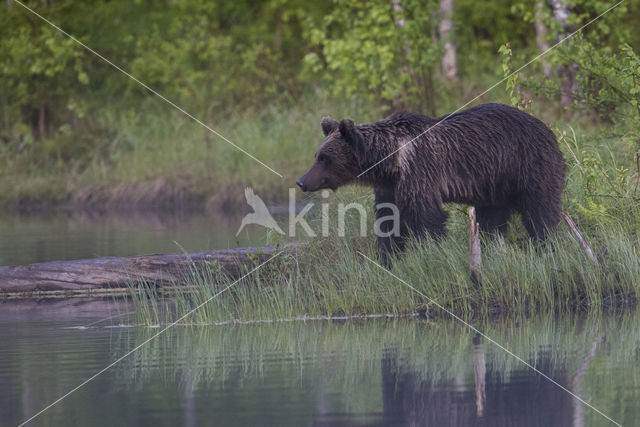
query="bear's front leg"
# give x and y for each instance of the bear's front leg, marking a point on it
(387, 224)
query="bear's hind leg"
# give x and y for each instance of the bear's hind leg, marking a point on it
(431, 219)
(493, 219)
(539, 219)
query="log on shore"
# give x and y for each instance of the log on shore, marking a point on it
(115, 275)
(575, 232)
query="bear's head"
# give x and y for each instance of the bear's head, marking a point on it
(336, 162)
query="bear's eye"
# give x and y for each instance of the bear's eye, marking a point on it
(323, 159)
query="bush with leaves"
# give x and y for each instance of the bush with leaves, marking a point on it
(41, 75)
(381, 51)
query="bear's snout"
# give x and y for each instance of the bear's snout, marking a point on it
(312, 183)
(301, 184)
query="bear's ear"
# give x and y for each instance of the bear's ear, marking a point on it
(352, 135)
(328, 125)
(348, 131)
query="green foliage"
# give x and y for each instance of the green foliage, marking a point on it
(378, 52)
(606, 66)
(263, 73)
(481, 30)
(515, 97)
(605, 78)
(609, 83)
(212, 58)
(602, 186)
(199, 61)
(40, 73)
(607, 31)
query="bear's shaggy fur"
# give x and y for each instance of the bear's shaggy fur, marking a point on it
(492, 156)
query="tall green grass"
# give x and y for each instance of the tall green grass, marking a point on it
(330, 276)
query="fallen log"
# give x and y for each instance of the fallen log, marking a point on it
(115, 275)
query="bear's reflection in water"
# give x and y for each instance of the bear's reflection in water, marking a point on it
(521, 398)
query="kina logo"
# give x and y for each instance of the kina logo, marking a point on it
(260, 215)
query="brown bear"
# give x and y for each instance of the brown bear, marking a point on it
(492, 156)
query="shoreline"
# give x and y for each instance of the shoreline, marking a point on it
(169, 194)
(77, 307)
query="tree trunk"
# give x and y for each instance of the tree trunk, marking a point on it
(405, 50)
(117, 275)
(567, 73)
(419, 77)
(42, 121)
(429, 96)
(541, 36)
(449, 63)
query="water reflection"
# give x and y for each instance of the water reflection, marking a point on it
(379, 372)
(522, 399)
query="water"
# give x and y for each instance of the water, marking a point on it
(374, 372)
(30, 239)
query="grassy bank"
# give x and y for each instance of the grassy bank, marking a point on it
(331, 278)
(160, 158)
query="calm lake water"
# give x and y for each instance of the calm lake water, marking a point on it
(29, 239)
(373, 372)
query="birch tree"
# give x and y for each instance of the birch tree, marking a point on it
(566, 72)
(448, 61)
(541, 35)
